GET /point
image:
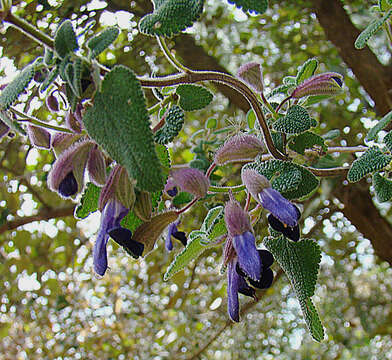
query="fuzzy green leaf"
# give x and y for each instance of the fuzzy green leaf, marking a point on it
(370, 30)
(371, 135)
(101, 41)
(314, 99)
(306, 140)
(312, 319)
(373, 159)
(388, 141)
(49, 79)
(306, 70)
(192, 251)
(290, 80)
(11, 92)
(296, 121)
(290, 188)
(171, 17)
(65, 41)
(193, 97)
(11, 123)
(173, 125)
(277, 140)
(331, 134)
(300, 261)
(382, 187)
(257, 6)
(88, 202)
(281, 89)
(131, 221)
(119, 122)
(214, 224)
(182, 198)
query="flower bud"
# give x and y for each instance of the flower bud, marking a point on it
(4, 129)
(39, 137)
(143, 206)
(236, 218)
(52, 103)
(255, 183)
(192, 181)
(67, 173)
(39, 76)
(239, 148)
(96, 167)
(329, 83)
(251, 73)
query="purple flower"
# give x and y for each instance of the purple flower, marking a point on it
(191, 180)
(172, 231)
(111, 217)
(243, 240)
(252, 74)
(284, 215)
(239, 283)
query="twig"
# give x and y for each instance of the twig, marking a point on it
(43, 215)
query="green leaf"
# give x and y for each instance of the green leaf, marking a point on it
(281, 89)
(193, 250)
(88, 202)
(290, 80)
(173, 125)
(288, 180)
(131, 221)
(332, 134)
(11, 123)
(296, 121)
(289, 188)
(388, 141)
(306, 140)
(214, 224)
(382, 187)
(371, 135)
(312, 319)
(257, 6)
(65, 41)
(306, 70)
(373, 159)
(119, 122)
(11, 92)
(182, 198)
(171, 17)
(102, 41)
(49, 79)
(370, 30)
(314, 99)
(277, 140)
(300, 261)
(193, 97)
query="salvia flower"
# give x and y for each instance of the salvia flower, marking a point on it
(191, 180)
(111, 217)
(239, 283)
(329, 83)
(251, 73)
(241, 234)
(172, 231)
(285, 215)
(62, 141)
(67, 173)
(171, 187)
(39, 137)
(240, 147)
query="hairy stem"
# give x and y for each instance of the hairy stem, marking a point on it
(198, 76)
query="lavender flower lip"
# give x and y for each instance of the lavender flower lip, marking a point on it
(173, 232)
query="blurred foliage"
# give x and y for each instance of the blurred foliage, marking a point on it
(51, 304)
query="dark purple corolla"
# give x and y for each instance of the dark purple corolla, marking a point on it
(172, 231)
(246, 269)
(111, 217)
(284, 214)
